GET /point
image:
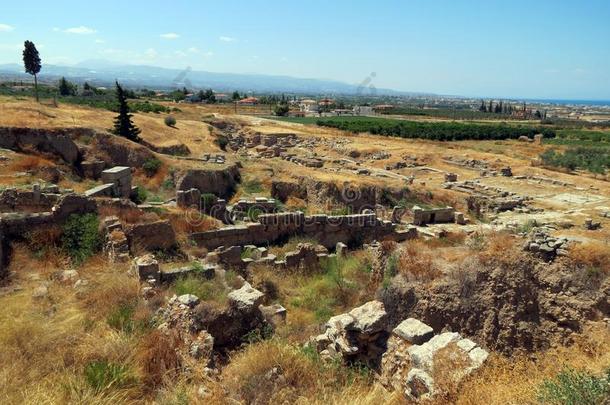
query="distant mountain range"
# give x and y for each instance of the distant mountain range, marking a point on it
(104, 73)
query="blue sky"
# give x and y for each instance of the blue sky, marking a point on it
(533, 49)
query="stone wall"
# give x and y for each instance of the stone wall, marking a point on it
(12, 200)
(16, 225)
(433, 216)
(327, 230)
(151, 236)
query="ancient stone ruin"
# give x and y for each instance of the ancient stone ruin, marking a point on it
(423, 216)
(327, 229)
(117, 184)
(408, 356)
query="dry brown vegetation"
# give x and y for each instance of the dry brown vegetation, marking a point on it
(417, 262)
(515, 380)
(592, 255)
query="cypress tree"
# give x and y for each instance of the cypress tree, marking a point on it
(123, 125)
(31, 62)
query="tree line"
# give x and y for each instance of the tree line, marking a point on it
(439, 131)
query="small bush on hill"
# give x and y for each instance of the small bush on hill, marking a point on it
(151, 166)
(141, 195)
(170, 121)
(81, 238)
(101, 375)
(573, 387)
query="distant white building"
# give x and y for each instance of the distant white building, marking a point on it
(363, 110)
(308, 106)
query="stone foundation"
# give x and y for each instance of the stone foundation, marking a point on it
(433, 216)
(327, 230)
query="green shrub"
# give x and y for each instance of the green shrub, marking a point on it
(281, 110)
(222, 142)
(141, 195)
(151, 166)
(121, 319)
(593, 159)
(573, 387)
(170, 121)
(208, 200)
(101, 375)
(81, 238)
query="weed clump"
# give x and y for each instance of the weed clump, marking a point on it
(81, 238)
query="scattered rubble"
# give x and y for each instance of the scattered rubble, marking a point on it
(545, 246)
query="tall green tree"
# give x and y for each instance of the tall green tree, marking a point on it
(66, 88)
(123, 125)
(236, 96)
(31, 62)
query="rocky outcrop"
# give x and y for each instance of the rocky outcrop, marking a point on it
(178, 317)
(541, 244)
(522, 304)
(220, 182)
(53, 142)
(410, 359)
(116, 151)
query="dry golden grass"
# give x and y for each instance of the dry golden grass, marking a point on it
(593, 255)
(159, 358)
(416, 261)
(186, 222)
(514, 381)
(273, 372)
(499, 247)
(30, 162)
(127, 215)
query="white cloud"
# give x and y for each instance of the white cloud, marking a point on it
(193, 49)
(100, 41)
(6, 28)
(180, 54)
(151, 53)
(227, 39)
(82, 30)
(56, 29)
(170, 35)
